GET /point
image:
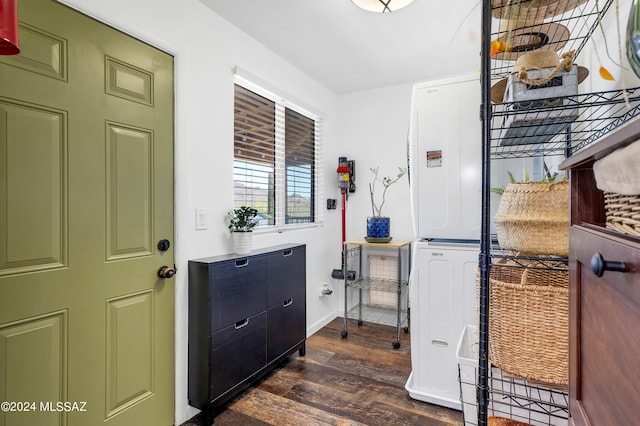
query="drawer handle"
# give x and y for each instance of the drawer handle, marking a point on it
(439, 343)
(242, 323)
(599, 265)
(242, 263)
(287, 303)
(287, 253)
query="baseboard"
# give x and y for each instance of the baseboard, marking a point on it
(316, 326)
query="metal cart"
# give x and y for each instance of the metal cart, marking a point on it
(372, 287)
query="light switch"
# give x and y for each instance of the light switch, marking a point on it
(201, 219)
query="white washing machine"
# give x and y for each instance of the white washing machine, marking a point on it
(442, 301)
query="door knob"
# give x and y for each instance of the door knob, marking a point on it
(166, 271)
(163, 245)
(599, 265)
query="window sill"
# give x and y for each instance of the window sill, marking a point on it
(286, 228)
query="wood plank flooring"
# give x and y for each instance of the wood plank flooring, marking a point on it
(354, 381)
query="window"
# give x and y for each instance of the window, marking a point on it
(276, 155)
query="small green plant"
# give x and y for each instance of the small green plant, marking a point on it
(242, 219)
(527, 178)
(386, 183)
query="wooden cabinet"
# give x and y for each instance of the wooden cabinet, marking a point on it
(604, 312)
(605, 315)
(245, 315)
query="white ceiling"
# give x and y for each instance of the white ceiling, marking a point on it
(348, 49)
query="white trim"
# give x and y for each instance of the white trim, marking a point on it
(281, 172)
(129, 29)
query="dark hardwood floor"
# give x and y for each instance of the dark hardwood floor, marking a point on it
(354, 381)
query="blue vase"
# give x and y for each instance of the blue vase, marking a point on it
(378, 227)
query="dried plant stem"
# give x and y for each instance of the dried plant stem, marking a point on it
(373, 205)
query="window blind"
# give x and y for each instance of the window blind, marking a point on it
(277, 151)
(254, 153)
(299, 167)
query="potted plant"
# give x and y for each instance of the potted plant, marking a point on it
(242, 220)
(378, 226)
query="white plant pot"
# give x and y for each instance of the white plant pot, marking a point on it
(242, 242)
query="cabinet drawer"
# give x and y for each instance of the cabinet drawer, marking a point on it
(604, 343)
(238, 290)
(286, 326)
(237, 352)
(286, 274)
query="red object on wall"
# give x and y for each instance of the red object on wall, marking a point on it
(9, 44)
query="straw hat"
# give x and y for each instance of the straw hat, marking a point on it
(532, 9)
(523, 38)
(534, 61)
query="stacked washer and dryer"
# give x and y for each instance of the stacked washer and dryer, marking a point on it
(445, 164)
(445, 146)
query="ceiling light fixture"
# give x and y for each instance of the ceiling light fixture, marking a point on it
(381, 6)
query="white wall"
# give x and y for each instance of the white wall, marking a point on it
(609, 56)
(373, 131)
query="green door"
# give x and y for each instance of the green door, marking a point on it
(86, 194)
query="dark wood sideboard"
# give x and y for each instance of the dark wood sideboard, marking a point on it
(604, 311)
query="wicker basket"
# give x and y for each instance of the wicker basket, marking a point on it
(623, 212)
(533, 218)
(529, 321)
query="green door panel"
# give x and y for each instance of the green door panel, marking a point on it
(32, 368)
(86, 192)
(34, 163)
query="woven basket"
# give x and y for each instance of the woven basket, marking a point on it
(533, 218)
(529, 321)
(623, 212)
